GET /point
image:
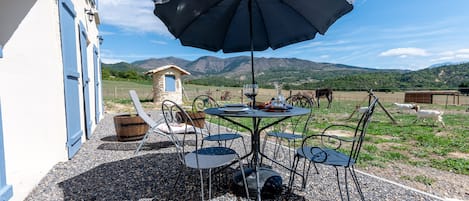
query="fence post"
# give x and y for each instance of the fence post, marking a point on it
(242, 97)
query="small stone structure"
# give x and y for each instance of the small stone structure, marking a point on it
(167, 83)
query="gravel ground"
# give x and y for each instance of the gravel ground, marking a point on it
(105, 169)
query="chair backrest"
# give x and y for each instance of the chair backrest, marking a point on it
(213, 124)
(176, 117)
(141, 113)
(361, 129)
(297, 124)
(202, 102)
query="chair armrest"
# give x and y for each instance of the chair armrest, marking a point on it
(327, 141)
(316, 154)
(344, 127)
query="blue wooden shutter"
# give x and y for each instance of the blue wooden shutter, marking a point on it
(1, 52)
(170, 82)
(85, 80)
(71, 76)
(6, 191)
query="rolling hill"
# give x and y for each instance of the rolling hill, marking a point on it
(298, 73)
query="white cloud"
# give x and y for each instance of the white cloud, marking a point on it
(458, 55)
(131, 16)
(159, 42)
(319, 44)
(324, 56)
(111, 61)
(404, 52)
(106, 33)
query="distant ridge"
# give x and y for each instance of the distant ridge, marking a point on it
(299, 73)
(446, 64)
(154, 63)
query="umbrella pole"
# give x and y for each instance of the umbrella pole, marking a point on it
(252, 48)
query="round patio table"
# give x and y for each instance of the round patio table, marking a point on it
(257, 180)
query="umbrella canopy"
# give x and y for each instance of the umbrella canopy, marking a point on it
(225, 24)
(248, 25)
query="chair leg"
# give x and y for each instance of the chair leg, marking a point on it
(315, 167)
(142, 142)
(278, 144)
(201, 184)
(209, 184)
(338, 183)
(290, 151)
(296, 160)
(346, 183)
(244, 144)
(264, 144)
(245, 149)
(244, 178)
(306, 170)
(202, 143)
(357, 184)
(177, 179)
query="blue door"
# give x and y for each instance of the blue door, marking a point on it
(6, 191)
(71, 76)
(85, 80)
(170, 83)
(97, 86)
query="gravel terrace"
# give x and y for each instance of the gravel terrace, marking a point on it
(105, 169)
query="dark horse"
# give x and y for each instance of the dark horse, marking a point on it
(327, 92)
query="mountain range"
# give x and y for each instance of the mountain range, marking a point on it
(297, 72)
(240, 66)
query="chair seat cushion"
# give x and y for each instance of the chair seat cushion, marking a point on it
(222, 137)
(317, 155)
(210, 157)
(177, 128)
(284, 135)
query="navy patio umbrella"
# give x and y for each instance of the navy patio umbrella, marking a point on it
(248, 25)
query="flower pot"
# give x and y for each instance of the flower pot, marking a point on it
(130, 127)
(197, 117)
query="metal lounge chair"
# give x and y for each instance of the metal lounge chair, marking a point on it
(154, 125)
(336, 151)
(196, 156)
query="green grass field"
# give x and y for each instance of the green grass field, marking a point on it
(417, 144)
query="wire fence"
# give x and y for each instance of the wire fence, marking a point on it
(264, 95)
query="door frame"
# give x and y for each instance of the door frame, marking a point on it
(6, 191)
(83, 37)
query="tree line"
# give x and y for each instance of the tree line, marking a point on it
(445, 77)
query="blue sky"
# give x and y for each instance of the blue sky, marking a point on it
(383, 34)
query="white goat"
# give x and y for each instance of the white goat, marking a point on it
(429, 114)
(404, 106)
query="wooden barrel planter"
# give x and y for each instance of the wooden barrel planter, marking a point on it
(130, 127)
(197, 117)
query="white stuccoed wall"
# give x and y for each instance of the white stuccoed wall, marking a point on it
(32, 94)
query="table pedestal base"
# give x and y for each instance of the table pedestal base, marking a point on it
(270, 182)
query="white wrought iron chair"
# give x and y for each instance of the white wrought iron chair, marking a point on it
(197, 157)
(154, 125)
